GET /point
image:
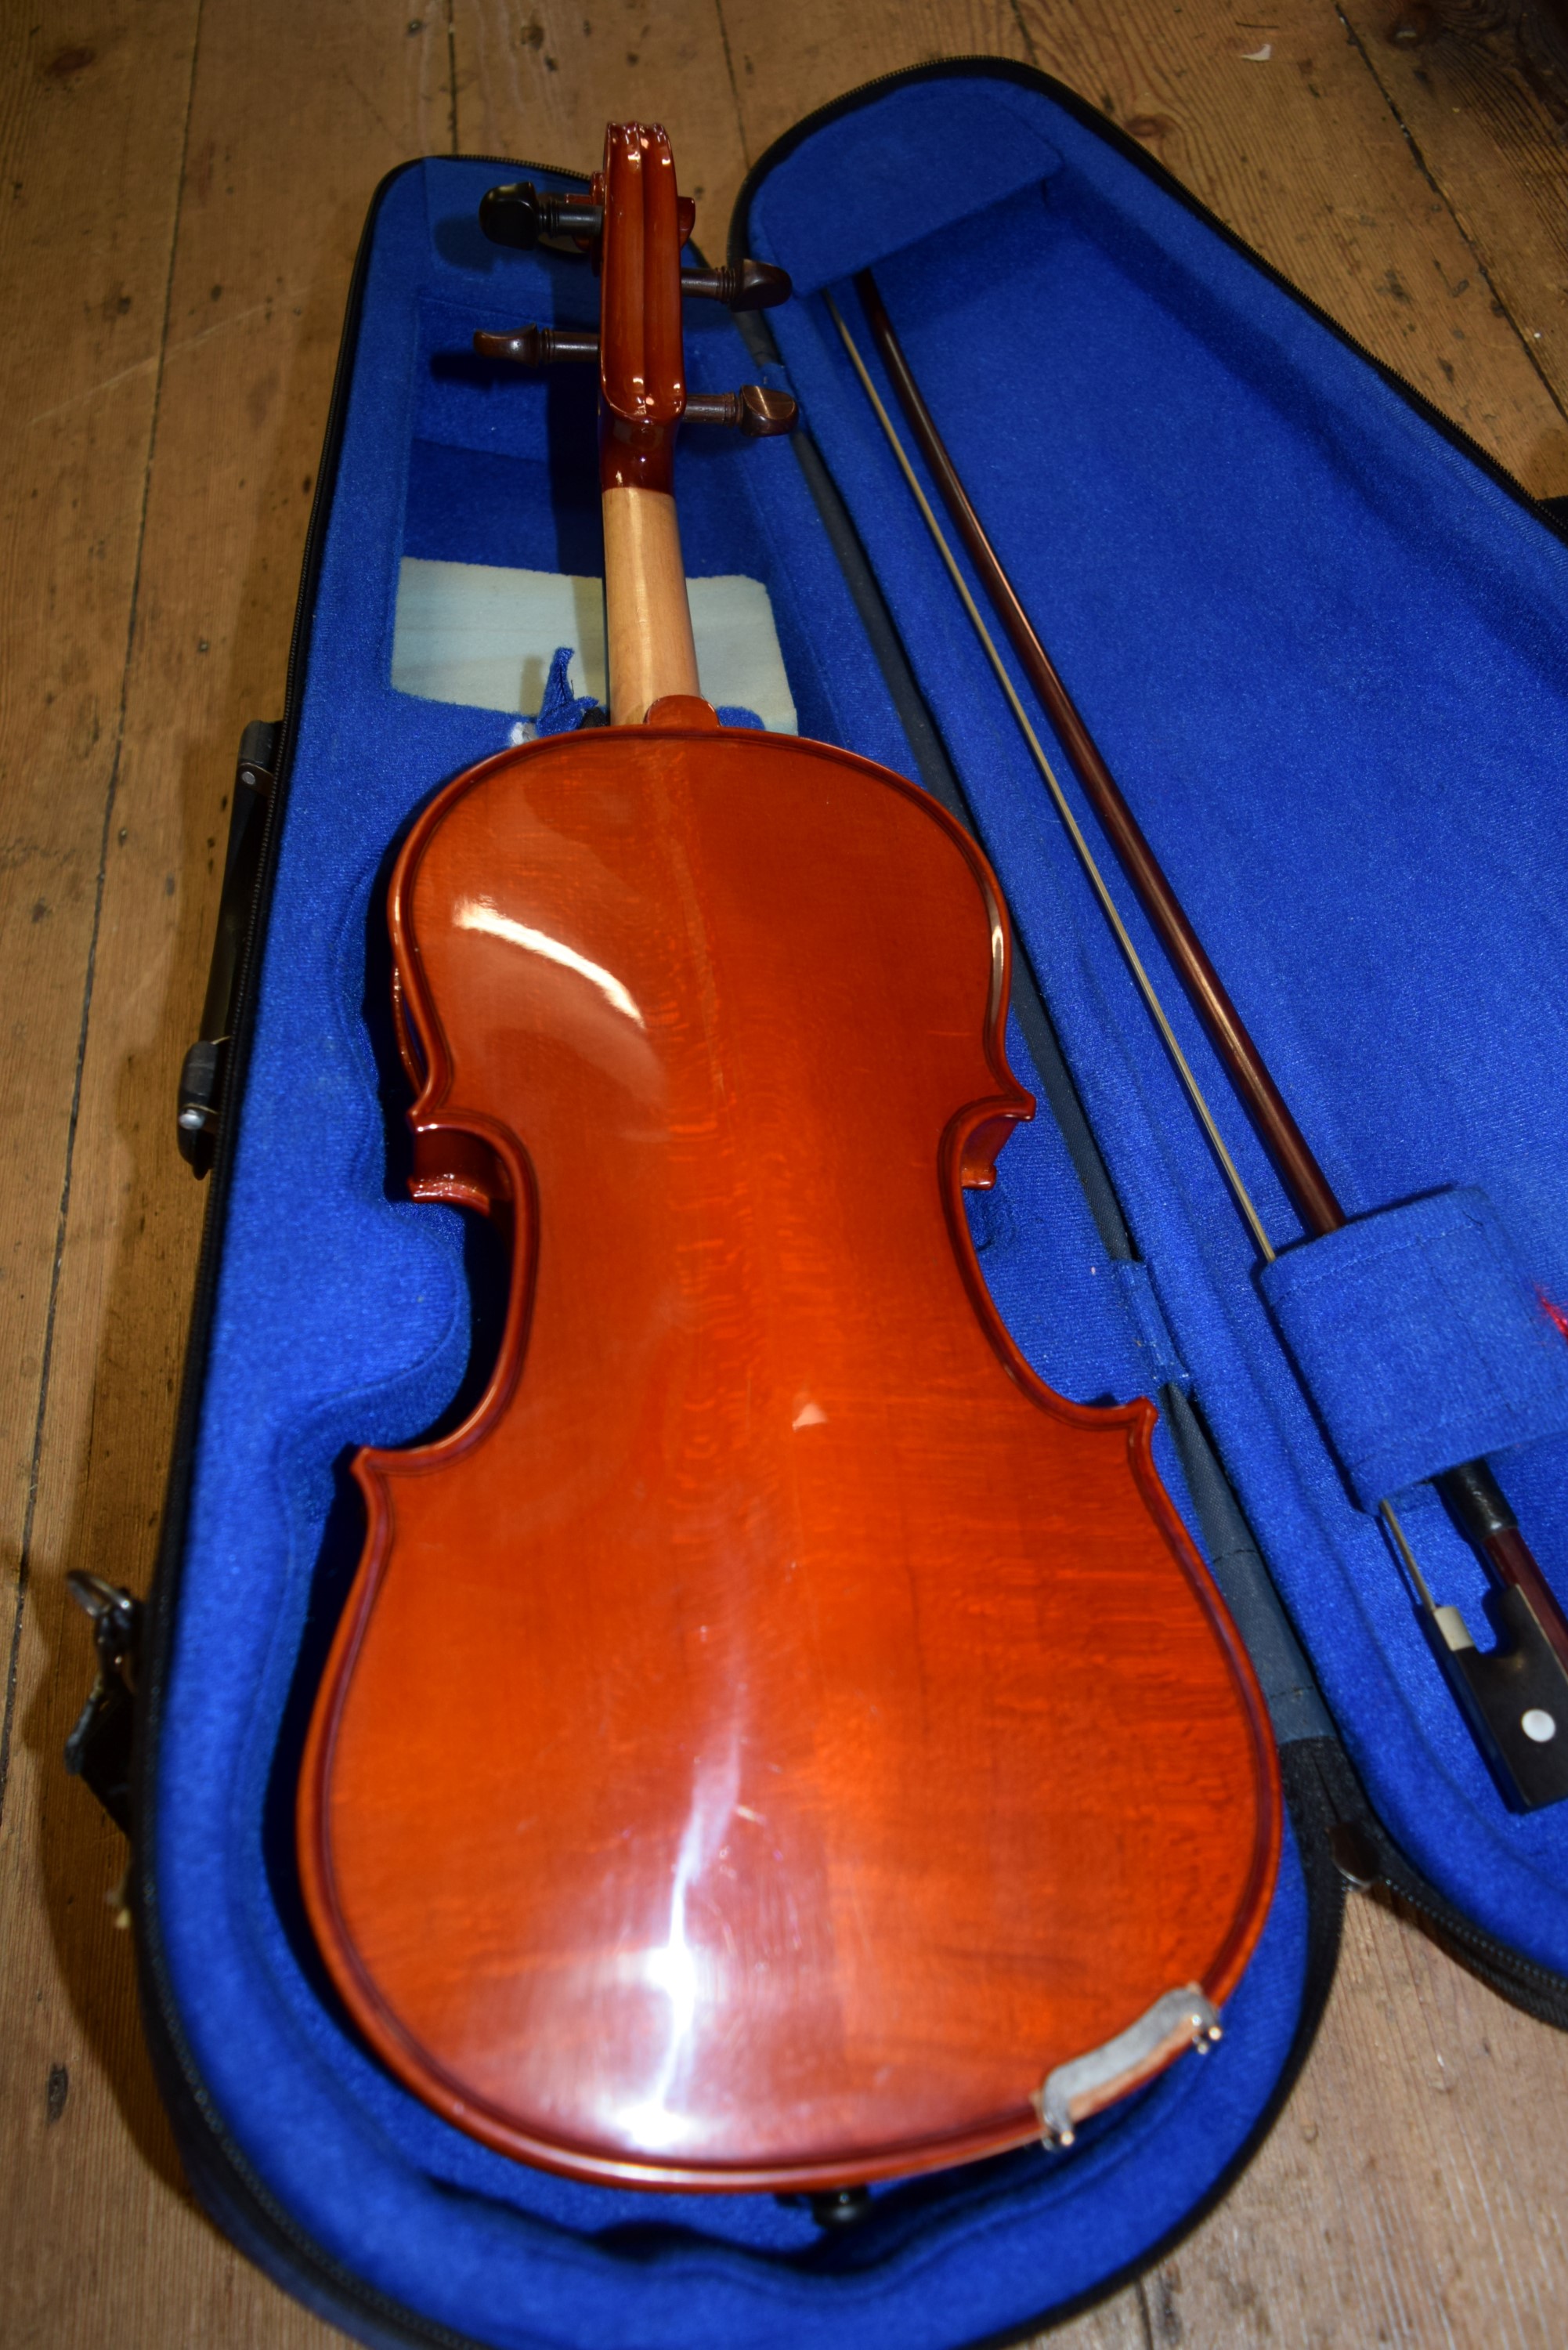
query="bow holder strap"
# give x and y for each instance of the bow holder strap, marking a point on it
(1420, 1340)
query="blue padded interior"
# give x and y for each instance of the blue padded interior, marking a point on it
(344, 1315)
(1326, 655)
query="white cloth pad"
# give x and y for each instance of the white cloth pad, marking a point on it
(484, 635)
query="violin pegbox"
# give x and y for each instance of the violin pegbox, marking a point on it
(631, 226)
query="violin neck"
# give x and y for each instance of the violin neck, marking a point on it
(648, 619)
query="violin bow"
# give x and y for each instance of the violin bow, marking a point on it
(1500, 1691)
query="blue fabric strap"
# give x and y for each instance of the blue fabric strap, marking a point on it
(1153, 1339)
(562, 710)
(1420, 1341)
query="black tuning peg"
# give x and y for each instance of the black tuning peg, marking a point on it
(523, 216)
(756, 411)
(750, 286)
(539, 346)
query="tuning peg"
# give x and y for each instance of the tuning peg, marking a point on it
(539, 346)
(521, 216)
(754, 409)
(758, 412)
(750, 286)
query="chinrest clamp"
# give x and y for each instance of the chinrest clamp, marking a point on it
(1080, 2087)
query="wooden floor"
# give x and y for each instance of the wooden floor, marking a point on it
(185, 183)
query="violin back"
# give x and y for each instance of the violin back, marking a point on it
(775, 1732)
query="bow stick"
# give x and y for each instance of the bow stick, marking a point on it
(1514, 1697)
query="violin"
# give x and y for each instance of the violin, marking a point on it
(775, 1741)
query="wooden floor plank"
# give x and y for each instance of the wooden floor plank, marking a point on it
(1481, 92)
(92, 120)
(1410, 2192)
(789, 61)
(1268, 112)
(541, 83)
(295, 113)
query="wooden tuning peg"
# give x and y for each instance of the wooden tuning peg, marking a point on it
(523, 216)
(539, 346)
(748, 285)
(755, 410)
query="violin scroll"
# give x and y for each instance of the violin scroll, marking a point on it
(632, 225)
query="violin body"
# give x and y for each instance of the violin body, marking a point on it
(776, 1730)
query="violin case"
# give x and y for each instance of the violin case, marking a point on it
(1323, 644)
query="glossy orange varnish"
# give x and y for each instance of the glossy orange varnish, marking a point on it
(777, 1730)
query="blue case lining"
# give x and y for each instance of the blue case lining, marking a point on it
(1325, 656)
(342, 1313)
